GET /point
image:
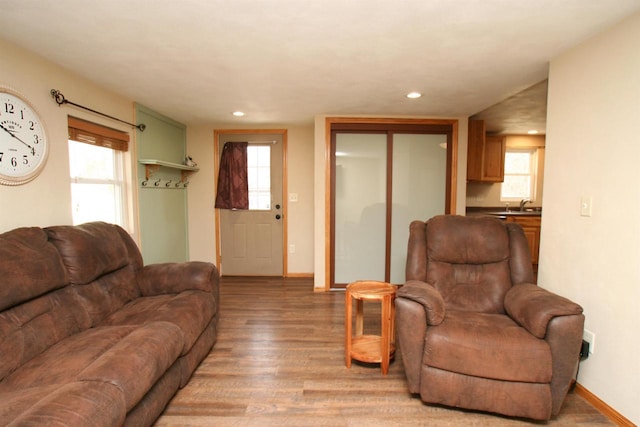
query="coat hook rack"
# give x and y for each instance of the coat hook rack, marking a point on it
(60, 99)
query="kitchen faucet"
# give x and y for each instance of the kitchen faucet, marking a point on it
(524, 202)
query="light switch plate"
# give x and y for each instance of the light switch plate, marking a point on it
(586, 203)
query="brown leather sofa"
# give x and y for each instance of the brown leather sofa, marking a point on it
(91, 337)
(474, 331)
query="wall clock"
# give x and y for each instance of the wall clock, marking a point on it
(23, 139)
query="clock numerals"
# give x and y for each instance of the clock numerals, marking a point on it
(13, 161)
(9, 108)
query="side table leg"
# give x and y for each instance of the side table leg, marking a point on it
(359, 317)
(385, 323)
(347, 328)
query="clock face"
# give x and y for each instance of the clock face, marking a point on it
(23, 140)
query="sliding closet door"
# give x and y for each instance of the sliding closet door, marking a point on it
(419, 182)
(360, 206)
(382, 182)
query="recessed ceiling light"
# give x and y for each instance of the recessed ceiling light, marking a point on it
(532, 132)
(238, 113)
(414, 95)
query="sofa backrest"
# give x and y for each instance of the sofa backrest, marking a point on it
(102, 262)
(471, 261)
(58, 281)
(32, 307)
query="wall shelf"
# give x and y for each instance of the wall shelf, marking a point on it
(151, 166)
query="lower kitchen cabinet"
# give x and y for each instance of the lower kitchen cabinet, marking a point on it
(531, 227)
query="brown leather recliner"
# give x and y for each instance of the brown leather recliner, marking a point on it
(473, 330)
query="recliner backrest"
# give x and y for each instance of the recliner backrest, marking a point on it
(469, 260)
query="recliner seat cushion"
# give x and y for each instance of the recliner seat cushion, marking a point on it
(489, 346)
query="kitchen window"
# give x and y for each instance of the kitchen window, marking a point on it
(96, 169)
(520, 167)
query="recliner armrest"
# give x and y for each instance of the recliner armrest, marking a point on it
(534, 307)
(172, 278)
(427, 296)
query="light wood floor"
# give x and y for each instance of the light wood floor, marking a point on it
(279, 361)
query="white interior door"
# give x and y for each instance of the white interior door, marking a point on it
(251, 241)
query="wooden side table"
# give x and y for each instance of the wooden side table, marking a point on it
(370, 348)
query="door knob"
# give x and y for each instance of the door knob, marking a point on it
(278, 216)
(277, 206)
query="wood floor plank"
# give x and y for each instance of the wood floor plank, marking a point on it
(279, 361)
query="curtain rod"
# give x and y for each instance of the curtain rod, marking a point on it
(60, 99)
(271, 141)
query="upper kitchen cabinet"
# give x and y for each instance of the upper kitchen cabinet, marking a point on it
(485, 159)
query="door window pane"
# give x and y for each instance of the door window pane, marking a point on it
(259, 176)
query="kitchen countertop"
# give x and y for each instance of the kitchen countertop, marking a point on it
(502, 212)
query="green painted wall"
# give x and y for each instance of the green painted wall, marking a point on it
(163, 206)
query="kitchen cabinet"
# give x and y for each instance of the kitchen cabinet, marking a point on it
(531, 227)
(485, 154)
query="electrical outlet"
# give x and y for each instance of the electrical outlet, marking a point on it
(589, 337)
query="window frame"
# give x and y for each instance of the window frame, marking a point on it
(533, 173)
(93, 134)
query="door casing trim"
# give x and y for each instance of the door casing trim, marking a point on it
(285, 198)
(452, 158)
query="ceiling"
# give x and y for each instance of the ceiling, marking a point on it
(520, 113)
(285, 61)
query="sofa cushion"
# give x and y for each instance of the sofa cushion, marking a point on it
(89, 250)
(29, 266)
(191, 311)
(76, 404)
(107, 294)
(132, 358)
(488, 346)
(31, 328)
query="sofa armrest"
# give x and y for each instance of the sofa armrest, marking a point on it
(534, 307)
(427, 296)
(171, 278)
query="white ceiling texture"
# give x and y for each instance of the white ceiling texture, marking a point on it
(284, 61)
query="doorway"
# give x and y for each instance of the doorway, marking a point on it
(251, 242)
(383, 175)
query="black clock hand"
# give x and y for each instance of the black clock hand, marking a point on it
(13, 135)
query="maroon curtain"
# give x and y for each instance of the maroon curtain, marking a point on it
(233, 184)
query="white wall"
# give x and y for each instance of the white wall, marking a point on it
(320, 188)
(47, 199)
(201, 193)
(593, 149)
